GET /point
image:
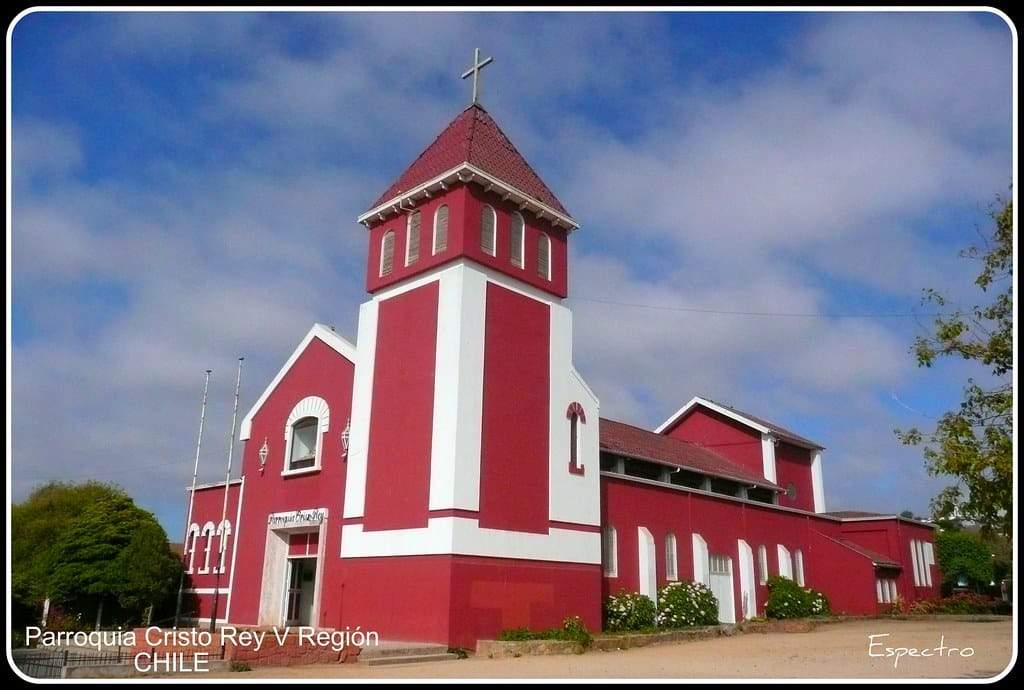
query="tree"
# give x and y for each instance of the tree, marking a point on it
(974, 443)
(964, 556)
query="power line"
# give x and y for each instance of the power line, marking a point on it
(808, 315)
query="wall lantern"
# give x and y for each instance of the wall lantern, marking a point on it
(344, 439)
(264, 452)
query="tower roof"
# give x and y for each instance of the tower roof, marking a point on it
(474, 137)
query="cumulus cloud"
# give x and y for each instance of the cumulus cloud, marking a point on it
(218, 220)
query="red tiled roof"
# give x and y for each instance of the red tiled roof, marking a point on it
(876, 558)
(634, 442)
(475, 138)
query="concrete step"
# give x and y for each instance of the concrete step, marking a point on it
(390, 649)
(391, 660)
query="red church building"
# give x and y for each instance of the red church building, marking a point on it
(448, 474)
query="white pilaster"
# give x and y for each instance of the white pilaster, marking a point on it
(768, 457)
(817, 483)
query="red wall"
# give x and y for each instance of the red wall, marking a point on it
(892, 538)
(793, 466)
(402, 411)
(208, 507)
(514, 434)
(320, 371)
(464, 208)
(725, 436)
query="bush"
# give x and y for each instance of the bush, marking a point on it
(628, 611)
(684, 604)
(787, 599)
(572, 630)
(963, 603)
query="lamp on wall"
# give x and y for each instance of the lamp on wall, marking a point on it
(344, 439)
(263, 454)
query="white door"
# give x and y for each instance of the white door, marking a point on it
(648, 574)
(720, 568)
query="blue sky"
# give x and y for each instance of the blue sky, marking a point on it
(186, 184)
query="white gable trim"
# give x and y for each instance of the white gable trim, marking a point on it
(329, 338)
(697, 400)
(466, 172)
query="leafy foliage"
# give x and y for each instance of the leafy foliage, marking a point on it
(974, 444)
(684, 604)
(573, 630)
(962, 603)
(787, 599)
(962, 554)
(628, 611)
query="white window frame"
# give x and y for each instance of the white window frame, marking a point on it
(762, 563)
(929, 561)
(224, 532)
(671, 557)
(383, 244)
(409, 260)
(434, 249)
(543, 240)
(798, 564)
(310, 406)
(208, 531)
(193, 539)
(521, 239)
(610, 552)
(785, 562)
(494, 230)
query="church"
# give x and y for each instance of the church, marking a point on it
(446, 473)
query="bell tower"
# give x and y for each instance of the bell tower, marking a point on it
(472, 495)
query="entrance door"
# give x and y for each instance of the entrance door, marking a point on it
(721, 586)
(299, 594)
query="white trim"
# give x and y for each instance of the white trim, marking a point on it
(701, 572)
(798, 565)
(521, 198)
(214, 485)
(768, 457)
(522, 239)
(748, 591)
(207, 590)
(207, 531)
(193, 536)
(610, 565)
(697, 400)
(762, 564)
(785, 561)
(671, 557)
(494, 230)
(929, 561)
(224, 526)
(329, 337)
(234, 548)
(311, 406)
(817, 483)
(647, 563)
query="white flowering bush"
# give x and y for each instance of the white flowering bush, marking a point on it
(685, 604)
(787, 599)
(628, 611)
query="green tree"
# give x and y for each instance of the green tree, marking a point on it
(963, 555)
(973, 444)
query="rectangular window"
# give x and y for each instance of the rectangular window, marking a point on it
(929, 561)
(785, 562)
(644, 470)
(303, 451)
(609, 556)
(671, 559)
(762, 560)
(879, 591)
(918, 581)
(724, 486)
(798, 559)
(685, 478)
(412, 244)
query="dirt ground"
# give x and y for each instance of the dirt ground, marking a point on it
(837, 650)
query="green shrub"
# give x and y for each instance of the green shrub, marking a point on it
(787, 599)
(628, 611)
(962, 603)
(572, 630)
(684, 604)
(240, 667)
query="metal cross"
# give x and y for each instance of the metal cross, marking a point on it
(475, 71)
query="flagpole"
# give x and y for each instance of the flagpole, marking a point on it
(191, 497)
(224, 508)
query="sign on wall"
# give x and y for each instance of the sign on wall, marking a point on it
(297, 518)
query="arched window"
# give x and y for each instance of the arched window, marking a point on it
(440, 229)
(190, 545)
(387, 253)
(762, 562)
(609, 555)
(671, 558)
(544, 256)
(517, 240)
(208, 530)
(576, 416)
(412, 238)
(798, 563)
(785, 562)
(488, 230)
(224, 534)
(303, 431)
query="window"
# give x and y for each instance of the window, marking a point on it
(683, 477)
(208, 530)
(929, 560)
(609, 556)
(762, 562)
(885, 588)
(412, 238)
(387, 253)
(576, 417)
(785, 562)
(190, 545)
(644, 470)
(609, 463)
(224, 532)
(488, 230)
(304, 433)
(798, 560)
(440, 229)
(671, 558)
(761, 495)
(517, 240)
(544, 256)
(724, 486)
